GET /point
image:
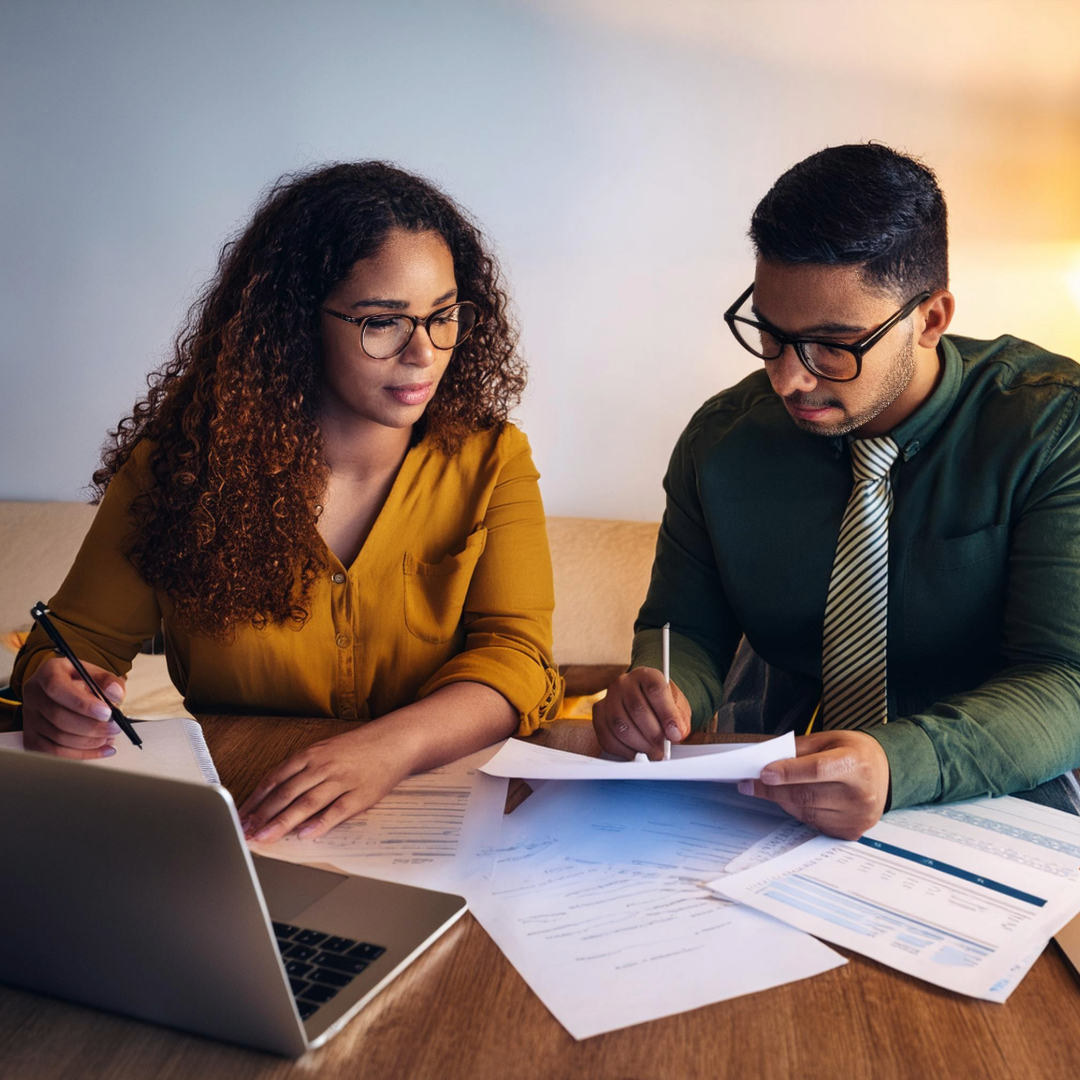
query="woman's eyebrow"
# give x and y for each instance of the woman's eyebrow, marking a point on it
(397, 305)
(400, 305)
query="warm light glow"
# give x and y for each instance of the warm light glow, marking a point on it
(1072, 280)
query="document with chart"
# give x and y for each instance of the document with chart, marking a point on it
(964, 895)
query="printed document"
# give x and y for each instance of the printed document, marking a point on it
(729, 762)
(597, 899)
(436, 830)
(964, 895)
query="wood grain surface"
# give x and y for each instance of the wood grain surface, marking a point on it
(463, 1011)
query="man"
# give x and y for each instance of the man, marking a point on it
(890, 515)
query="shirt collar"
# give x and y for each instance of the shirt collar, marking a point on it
(917, 430)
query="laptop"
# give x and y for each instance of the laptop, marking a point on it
(138, 895)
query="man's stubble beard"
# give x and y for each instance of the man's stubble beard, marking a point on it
(900, 375)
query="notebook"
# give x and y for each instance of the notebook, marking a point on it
(174, 748)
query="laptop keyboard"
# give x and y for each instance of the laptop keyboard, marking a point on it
(320, 965)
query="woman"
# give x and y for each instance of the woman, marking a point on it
(322, 503)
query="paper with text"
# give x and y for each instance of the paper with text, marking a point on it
(597, 899)
(964, 895)
(436, 830)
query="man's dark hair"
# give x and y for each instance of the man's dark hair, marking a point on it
(863, 204)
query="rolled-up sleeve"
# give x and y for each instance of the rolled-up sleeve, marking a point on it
(511, 597)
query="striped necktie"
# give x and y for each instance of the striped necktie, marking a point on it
(856, 613)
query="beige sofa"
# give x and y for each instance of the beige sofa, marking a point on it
(601, 574)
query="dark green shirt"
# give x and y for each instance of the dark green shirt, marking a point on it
(984, 565)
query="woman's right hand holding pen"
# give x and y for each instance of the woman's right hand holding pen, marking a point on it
(61, 716)
(640, 710)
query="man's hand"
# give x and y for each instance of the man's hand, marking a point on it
(639, 712)
(838, 783)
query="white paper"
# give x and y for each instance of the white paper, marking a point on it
(597, 899)
(689, 828)
(608, 947)
(173, 748)
(729, 762)
(786, 837)
(963, 895)
(436, 830)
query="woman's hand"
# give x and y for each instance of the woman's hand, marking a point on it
(838, 783)
(327, 783)
(639, 711)
(62, 716)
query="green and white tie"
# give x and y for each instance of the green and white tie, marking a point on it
(853, 658)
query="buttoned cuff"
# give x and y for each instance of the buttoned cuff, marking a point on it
(914, 771)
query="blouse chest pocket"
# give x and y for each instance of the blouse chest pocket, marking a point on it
(435, 592)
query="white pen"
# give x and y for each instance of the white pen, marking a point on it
(667, 679)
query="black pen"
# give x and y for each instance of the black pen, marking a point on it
(40, 614)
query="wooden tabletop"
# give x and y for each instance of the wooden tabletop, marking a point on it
(462, 1010)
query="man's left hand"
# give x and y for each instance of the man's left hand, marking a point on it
(838, 783)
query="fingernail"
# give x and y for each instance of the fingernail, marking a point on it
(115, 692)
(769, 777)
(113, 728)
(100, 711)
(108, 751)
(673, 731)
(746, 787)
(263, 834)
(307, 830)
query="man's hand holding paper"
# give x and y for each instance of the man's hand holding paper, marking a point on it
(838, 782)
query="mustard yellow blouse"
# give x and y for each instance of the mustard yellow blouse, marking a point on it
(453, 584)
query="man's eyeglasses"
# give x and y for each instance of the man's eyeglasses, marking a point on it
(832, 360)
(384, 335)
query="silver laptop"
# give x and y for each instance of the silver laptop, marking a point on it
(138, 895)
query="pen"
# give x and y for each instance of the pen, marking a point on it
(667, 678)
(817, 709)
(40, 614)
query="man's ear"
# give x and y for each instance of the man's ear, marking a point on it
(937, 312)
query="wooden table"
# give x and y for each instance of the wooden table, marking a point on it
(462, 1011)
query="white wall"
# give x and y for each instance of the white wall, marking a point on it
(613, 150)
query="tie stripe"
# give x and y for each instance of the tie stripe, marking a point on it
(853, 659)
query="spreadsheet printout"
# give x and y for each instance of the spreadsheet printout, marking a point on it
(964, 895)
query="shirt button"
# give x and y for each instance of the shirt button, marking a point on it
(343, 641)
(338, 579)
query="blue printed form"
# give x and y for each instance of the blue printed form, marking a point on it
(964, 895)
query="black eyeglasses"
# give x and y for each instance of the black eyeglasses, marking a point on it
(385, 335)
(832, 360)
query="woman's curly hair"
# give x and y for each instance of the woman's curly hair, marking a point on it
(227, 525)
